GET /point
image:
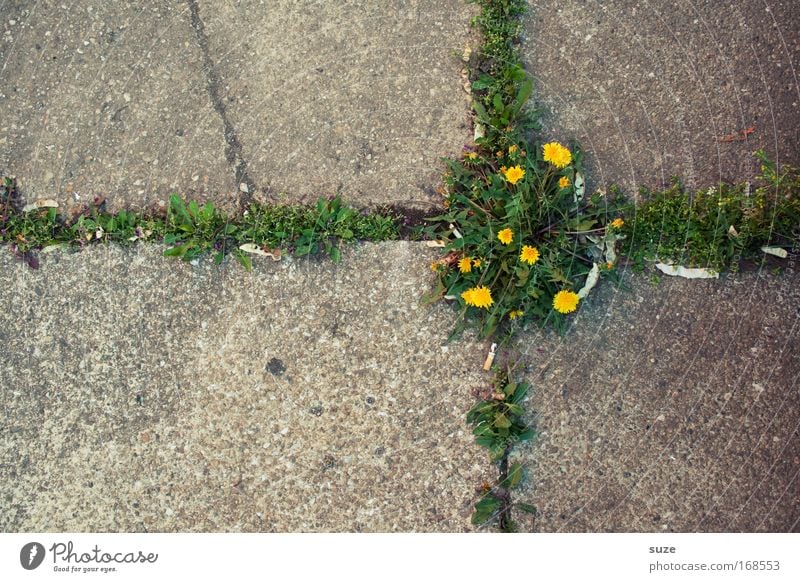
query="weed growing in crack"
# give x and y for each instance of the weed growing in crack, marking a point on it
(717, 227)
(192, 230)
(524, 243)
(498, 425)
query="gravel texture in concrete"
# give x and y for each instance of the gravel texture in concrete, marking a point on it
(108, 99)
(670, 408)
(362, 98)
(232, 99)
(655, 89)
(140, 394)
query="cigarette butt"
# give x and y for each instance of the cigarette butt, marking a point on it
(487, 364)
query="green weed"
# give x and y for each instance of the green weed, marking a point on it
(717, 227)
(191, 230)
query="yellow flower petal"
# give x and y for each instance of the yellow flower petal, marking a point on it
(478, 297)
(529, 254)
(514, 174)
(565, 301)
(556, 154)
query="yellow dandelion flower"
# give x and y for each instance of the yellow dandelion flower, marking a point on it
(529, 254)
(609, 265)
(514, 174)
(565, 301)
(515, 314)
(563, 182)
(435, 266)
(556, 154)
(478, 297)
(617, 223)
(506, 236)
(472, 156)
(503, 169)
(512, 149)
(465, 264)
(477, 263)
(500, 154)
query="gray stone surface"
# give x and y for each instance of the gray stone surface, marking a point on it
(670, 408)
(362, 98)
(110, 99)
(648, 88)
(140, 394)
(135, 100)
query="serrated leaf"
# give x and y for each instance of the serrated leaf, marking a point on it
(481, 112)
(484, 82)
(497, 103)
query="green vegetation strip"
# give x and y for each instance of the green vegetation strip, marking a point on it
(192, 230)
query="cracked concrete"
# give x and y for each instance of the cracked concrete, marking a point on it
(140, 394)
(231, 100)
(108, 99)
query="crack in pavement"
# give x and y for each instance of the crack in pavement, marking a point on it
(233, 147)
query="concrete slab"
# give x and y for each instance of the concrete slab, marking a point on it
(670, 408)
(137, 100)
(654, 89)
(141, 394)
(108, 98)
(362, 98)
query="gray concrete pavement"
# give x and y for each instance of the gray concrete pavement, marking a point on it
(653, 90)
(141, 394)
(108, 98)
(301, 99)
(670, 408)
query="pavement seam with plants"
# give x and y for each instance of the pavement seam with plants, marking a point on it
(524, 243)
